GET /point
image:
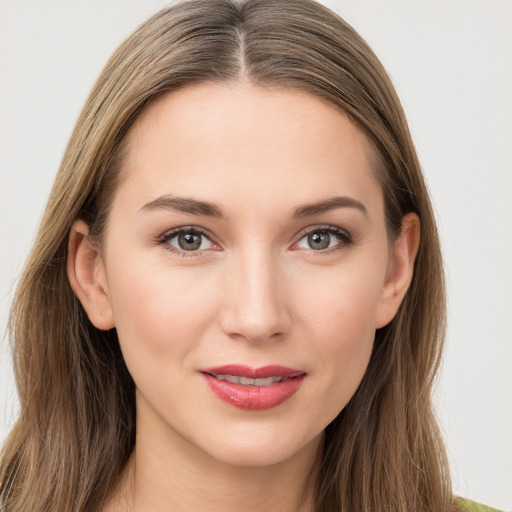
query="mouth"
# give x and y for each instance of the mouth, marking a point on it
(253, 388)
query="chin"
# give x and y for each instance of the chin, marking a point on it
(259, 447)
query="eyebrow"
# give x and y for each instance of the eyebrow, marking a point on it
(186, 205)
(196, 207)
(332, 203)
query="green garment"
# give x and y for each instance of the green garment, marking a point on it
(471, 506)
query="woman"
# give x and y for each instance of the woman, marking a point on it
(238, 279)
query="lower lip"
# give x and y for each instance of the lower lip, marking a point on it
(254, 398)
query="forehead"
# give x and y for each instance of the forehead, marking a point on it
(214, 140)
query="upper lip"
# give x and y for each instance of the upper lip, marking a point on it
(254, 373)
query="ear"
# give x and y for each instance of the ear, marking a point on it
(400, 270)
(86, 274)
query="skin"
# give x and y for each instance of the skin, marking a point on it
(256, 293)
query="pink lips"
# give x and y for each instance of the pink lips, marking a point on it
(253, 396)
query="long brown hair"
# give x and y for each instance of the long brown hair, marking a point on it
(76, 428)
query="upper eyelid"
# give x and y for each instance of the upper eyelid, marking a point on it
(171, 233)
(322, 227)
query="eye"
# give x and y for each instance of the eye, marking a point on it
(188, 240)
(321, 239)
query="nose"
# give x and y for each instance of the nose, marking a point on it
(255, 299)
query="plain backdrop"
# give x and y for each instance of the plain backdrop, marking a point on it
(451, 62)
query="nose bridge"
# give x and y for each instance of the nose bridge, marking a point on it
(255, 305)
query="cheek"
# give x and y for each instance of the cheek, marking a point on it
(345, 332)
(342, 302)
(158, 308)
(340, 319)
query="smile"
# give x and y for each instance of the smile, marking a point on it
(247, 381)
(253, 388)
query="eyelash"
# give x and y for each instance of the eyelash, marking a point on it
(345, 239)
(169, 235)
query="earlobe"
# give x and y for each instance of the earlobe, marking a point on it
(86, 274)
(400, 270)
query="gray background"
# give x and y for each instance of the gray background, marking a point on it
(451, 62)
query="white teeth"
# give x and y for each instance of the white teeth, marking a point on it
(247, 381)
(267, 381)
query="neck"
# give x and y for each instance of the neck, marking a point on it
(167, 473)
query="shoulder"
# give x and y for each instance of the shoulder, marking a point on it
(470, 506)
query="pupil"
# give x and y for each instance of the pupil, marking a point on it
(189, 241)
(319, 240)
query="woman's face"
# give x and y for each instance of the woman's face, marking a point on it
(246, 240)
